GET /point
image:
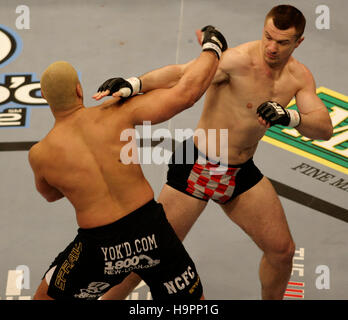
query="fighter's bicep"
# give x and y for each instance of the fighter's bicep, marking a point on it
(307, 100)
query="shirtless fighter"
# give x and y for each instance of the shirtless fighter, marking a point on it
(253, 83)
(121, 227)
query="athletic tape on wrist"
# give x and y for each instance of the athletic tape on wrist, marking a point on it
(212, 46)
(125, 92)
(295, 118)
(136, 85)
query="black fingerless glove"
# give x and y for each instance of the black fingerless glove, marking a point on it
(213, 40)
(128, 87)
(273, 113)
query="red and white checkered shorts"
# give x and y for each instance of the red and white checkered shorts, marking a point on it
(205, 180)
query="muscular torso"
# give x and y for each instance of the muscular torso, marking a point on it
(80, 157)
(232, 104)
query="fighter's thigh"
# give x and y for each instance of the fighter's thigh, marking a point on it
(181, 210)
(260, 214)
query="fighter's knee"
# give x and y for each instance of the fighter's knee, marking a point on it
(283, 252)
(289, 252)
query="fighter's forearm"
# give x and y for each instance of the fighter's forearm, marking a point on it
(316, 125)
(162, 78)
(199, 74)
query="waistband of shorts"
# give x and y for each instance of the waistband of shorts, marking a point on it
(198, 153)
(121, 224)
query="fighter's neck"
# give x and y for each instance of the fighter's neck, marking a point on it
(62, 115)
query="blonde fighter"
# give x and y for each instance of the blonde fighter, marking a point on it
(80, 159)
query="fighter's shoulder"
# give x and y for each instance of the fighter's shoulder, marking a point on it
(300, 71)
(35, 153)
(238, 55)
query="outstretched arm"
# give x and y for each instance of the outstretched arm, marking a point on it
(162, 104)
(162, 78)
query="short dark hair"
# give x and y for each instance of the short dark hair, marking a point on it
(286, 16)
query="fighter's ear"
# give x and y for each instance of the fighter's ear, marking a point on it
(79, 90)
(299, 41)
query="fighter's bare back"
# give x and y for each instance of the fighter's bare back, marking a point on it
(80, 158)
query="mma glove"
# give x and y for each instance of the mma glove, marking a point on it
(273, 113)
(127, 88)
(213, 40)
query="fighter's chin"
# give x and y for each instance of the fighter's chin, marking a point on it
(271, 61)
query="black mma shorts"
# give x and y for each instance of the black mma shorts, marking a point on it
(142, 242)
